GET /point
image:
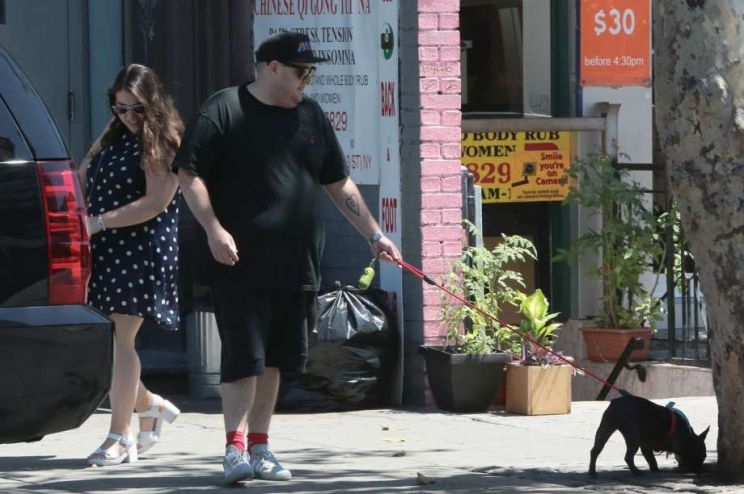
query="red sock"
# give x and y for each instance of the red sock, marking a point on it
(237, 439)
(257, 438)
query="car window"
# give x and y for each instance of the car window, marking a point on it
(12, 145)
(34, 121)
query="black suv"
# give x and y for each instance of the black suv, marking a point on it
(55, 351)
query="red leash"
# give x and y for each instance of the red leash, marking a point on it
(420, 274)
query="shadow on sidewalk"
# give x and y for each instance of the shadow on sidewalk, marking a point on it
(20, 464)
(321, 473)
(172, 478)
(613, 478)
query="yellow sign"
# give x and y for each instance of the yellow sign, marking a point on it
(518, 166)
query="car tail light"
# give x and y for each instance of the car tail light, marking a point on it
(67, 237)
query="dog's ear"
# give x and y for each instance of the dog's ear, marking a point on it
(703, 434)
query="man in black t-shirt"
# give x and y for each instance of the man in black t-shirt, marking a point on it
(252, 166)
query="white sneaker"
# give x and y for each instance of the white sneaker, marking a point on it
(236, 465)
(266, 466)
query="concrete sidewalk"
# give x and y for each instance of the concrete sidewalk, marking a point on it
(371, 451)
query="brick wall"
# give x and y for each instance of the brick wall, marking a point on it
(430, 117)
(441, 198)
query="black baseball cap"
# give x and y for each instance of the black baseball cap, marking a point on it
(287, 47)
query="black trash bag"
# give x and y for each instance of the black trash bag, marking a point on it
(352, 355)
(348, 313)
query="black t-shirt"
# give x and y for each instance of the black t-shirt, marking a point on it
(263, 166)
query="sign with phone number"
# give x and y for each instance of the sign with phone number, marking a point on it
(358, 86)
(518, 166)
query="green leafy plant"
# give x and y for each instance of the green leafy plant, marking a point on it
(536, 323)
(628, 245)
(482, 277)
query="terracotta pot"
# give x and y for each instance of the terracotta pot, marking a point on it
(606, 345)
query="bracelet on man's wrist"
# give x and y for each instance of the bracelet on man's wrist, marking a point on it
(100, 223)
(374, 238)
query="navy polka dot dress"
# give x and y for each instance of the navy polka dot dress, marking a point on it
(135, 267)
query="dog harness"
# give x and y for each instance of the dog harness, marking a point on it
(672, 425)
(676, 412)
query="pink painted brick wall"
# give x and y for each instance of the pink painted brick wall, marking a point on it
(441, 120)
(438, 167)
(439, 6)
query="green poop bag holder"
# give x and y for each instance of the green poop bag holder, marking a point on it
(368, 275)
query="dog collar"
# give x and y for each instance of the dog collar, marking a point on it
(672, 425)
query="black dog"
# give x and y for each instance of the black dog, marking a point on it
(650, 427)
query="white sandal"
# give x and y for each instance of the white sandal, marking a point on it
(103, 457)
(169, 412)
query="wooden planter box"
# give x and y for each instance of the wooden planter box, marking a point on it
(606, 345)
(538, 390)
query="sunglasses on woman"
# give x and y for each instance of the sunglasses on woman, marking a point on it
(121, 109)
(302, 71)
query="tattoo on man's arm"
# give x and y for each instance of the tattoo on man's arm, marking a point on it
(352, 203)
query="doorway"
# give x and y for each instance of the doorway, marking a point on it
(530, 221)
(510, 54)
(47, 38)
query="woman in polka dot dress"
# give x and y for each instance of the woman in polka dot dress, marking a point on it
(133, 206)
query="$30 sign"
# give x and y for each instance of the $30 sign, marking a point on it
(615, 42)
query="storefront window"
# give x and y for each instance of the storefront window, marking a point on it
(491, 33)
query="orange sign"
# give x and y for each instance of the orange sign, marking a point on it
(615, 43)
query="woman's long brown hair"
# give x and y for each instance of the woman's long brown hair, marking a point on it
(161, 125)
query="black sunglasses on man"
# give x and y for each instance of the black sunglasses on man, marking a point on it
(303, 72)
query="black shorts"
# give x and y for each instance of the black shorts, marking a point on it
(261, 330)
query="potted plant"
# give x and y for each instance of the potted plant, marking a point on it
(628, 245)
(465, 372)
(541, 383)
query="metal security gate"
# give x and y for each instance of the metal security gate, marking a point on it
(682, 336)
(686, 336)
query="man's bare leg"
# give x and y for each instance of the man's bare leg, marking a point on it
(265, 465)
(237, 400)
